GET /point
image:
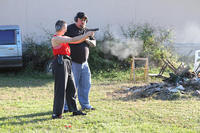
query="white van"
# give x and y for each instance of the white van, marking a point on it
(10, 46)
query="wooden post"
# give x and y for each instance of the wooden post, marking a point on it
(146, 69)
(131, 73)
(133, 69)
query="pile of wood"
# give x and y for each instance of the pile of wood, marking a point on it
(178, 75)
(181, 80)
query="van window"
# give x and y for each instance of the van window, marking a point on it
(7, 37)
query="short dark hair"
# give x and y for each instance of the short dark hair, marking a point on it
(59, 24)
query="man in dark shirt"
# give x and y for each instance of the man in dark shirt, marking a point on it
(79, 55)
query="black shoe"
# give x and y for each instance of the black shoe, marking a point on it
(89, 108)
(92, 108)
(55, 116)
(66, 111)
(78, 113)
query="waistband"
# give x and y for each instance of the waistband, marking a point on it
(64, 56)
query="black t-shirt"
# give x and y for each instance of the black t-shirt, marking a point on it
(79, 52)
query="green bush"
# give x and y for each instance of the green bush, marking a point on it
(156, 41)
(99, 60)
(156, 45)
(36, 55)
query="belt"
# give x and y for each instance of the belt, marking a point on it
(64, 56)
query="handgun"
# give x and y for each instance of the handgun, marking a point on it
(95, 29)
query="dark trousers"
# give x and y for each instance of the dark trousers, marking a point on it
(64, 87)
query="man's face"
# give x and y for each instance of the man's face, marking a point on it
(81, 23)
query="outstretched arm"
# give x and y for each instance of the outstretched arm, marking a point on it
(72, 40)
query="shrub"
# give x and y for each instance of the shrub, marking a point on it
(156, 45)
(101, 60)
(156, 41)
(36, 55)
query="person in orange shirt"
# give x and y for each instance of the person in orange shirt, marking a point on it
(64, 88)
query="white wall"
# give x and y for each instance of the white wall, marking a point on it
(186, 49)
(35, 15)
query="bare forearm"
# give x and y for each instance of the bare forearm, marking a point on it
(78, 39)
(57, 40)
(91, 43)
(65, 39)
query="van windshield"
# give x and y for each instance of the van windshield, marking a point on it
(7, 37)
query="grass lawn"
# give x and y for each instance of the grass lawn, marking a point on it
(26, 106)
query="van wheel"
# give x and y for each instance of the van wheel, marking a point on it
(49, 67)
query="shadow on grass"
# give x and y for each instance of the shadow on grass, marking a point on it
(11, 78)
(20, 119)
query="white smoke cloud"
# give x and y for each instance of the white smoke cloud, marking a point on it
(123, 48)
